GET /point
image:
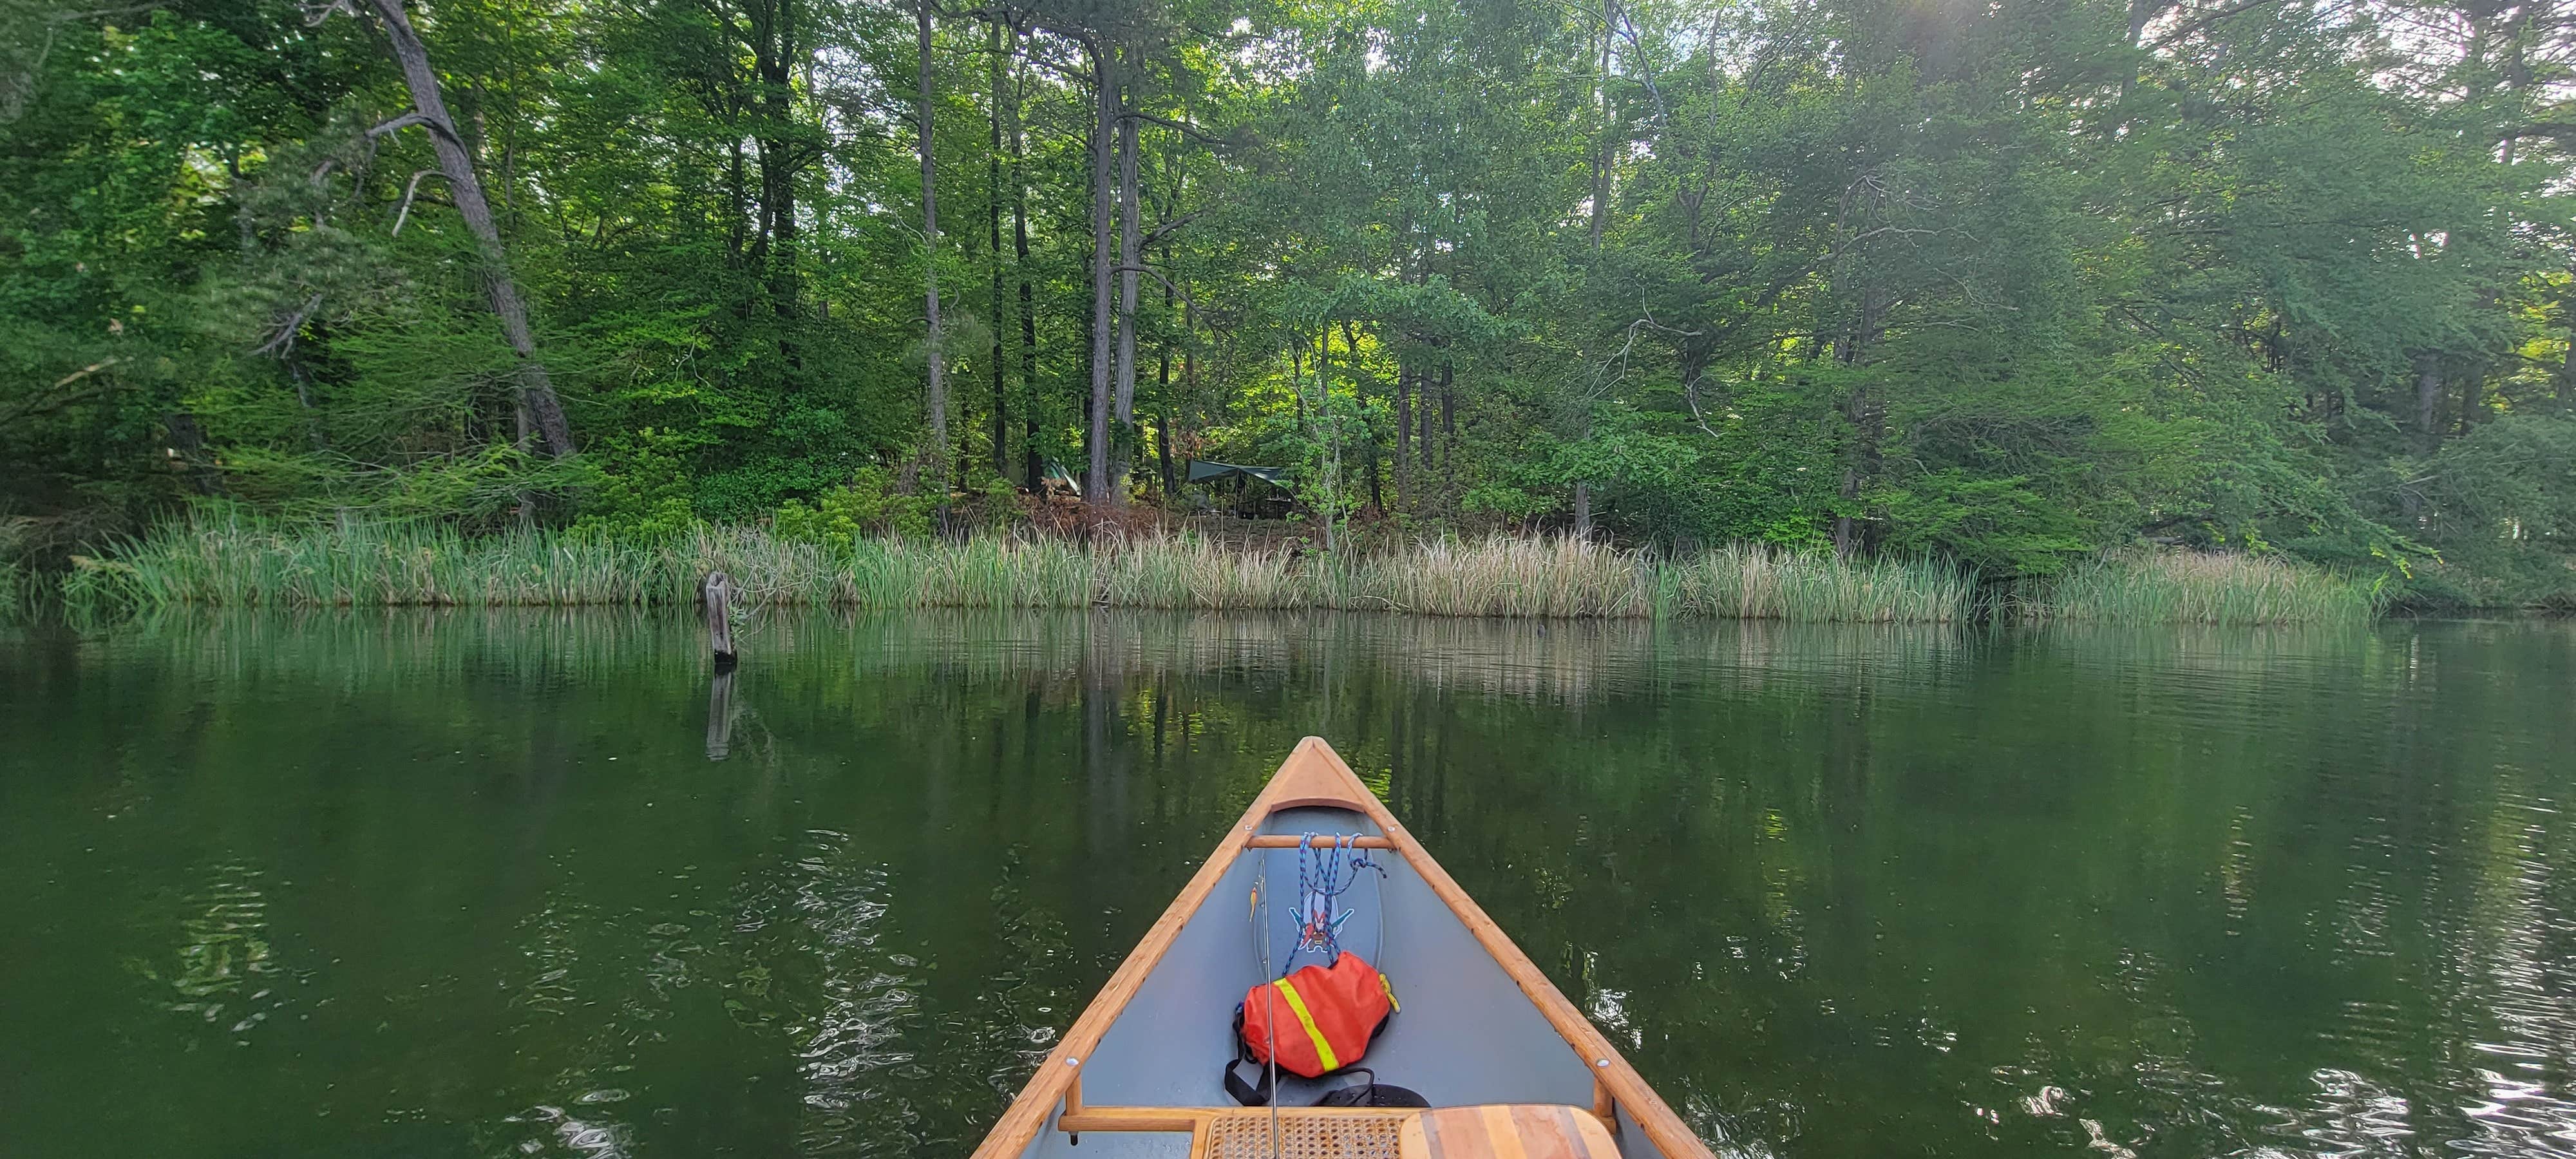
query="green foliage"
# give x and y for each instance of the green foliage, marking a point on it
(1993, 284)
(2506, 502)
(645, 496)
(1998, 526)
(866, 507)
(989, 507)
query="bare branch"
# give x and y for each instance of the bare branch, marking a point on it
(1184, 128)
(1156, 234)
(1603, 380)
(399, 124)
(43, 405)
(317, 11)
(106, 13)
(1699, 418)
(410, 191)
(84, 372)
(283, 339)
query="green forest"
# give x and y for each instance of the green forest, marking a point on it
(2009, 284)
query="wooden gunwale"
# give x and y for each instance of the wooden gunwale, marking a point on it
(1292, 840)
(1314, 775)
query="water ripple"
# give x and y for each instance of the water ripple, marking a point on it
(226, 973)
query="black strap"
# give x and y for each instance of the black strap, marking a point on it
(1371, 1094)
(1349, 1096)
(1248, 1094)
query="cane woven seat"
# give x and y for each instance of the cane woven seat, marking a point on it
(1499, 1131)
(1246, 1134)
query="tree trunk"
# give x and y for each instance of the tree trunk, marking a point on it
(1351, 366)
(188, 446)
(1695, 354)
(1297, 378)
(1032, 465)
(1403, 434)
(1600, 222)
(320, 439)
(1163, 448)
(993, 219)
(526, 433)
(2567, 372)
(1323, 416)
(1868, 419)
(737, 204)
(773, 44)
(2428, 401)
(1104, 136)
(1377, 491)
(1429, 459)
(1844, 529)
(937, 467)
(457, 166)
(1601, 148)
(1130, 235)
(1448, 416)
(1163, 382)
(1868, 423)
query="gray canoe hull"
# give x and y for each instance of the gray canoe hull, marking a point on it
(1466, 1033)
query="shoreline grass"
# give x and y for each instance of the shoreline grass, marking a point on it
(2186, 587)
(244, 563)
(238, 563)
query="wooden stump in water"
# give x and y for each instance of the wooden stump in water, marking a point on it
(715, 597)
(720, 711)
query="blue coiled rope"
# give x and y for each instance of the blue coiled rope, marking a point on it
(1324, 873)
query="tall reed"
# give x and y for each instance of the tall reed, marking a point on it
(241, 563)
(1754, 582)
(2188, 587)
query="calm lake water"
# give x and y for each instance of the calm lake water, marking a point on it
(472, 884)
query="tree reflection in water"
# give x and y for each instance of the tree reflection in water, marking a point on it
(528, 883)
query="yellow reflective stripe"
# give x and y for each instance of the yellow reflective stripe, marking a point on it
(1389, 987)
(1297, 1006)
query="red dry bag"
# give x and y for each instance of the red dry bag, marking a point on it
(1321, 1020)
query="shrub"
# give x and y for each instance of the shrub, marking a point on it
(866, 506)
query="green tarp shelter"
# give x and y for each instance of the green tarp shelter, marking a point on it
(1271, 504)
(1202, 470)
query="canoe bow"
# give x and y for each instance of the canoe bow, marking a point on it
(1316, 776)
